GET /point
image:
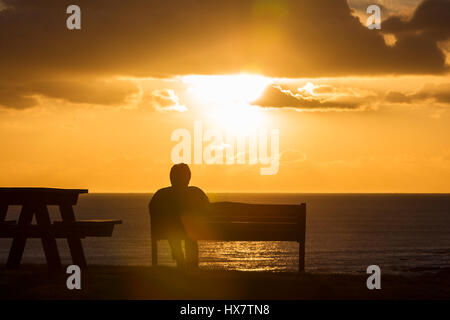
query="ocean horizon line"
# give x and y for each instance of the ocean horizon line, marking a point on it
(282, 192)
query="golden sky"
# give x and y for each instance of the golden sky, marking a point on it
(357, 110)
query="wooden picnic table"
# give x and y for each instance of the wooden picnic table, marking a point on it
(34, 202)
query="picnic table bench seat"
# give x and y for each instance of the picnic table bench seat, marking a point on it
(87, 228)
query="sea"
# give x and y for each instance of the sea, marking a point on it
(345, 233)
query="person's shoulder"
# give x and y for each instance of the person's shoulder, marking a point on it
(197, 191)
(163, 190)
(160, 193)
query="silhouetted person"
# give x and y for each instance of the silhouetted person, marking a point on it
(174, 207)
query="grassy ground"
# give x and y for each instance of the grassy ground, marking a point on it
(125, 282)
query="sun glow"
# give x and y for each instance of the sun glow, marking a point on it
(227, 98)
(308, 88)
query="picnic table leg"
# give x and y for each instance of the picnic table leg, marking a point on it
(48, 238)
(3, 211)
(75, 245)
(20, 239)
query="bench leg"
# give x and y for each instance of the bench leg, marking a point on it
(75, 245)
(20, 239)
(154, 252)
(48, 239)
(301, 256)
(191, 249)
(301, 238)
(3, 211)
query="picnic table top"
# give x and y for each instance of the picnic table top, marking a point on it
(50, 196)
(33, 190)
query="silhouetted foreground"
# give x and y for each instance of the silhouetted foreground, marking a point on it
(125, 282)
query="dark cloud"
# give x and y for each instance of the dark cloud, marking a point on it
(276, 97)
(438, 93)
(431, 19)
(16, 99)
(87, 91)
(397, 97)
(113, 92)
(282, 38)
(425, 33)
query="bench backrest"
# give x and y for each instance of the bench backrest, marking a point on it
(247, 212)
(244, 221)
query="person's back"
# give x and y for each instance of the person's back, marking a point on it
(174, 210)
(170, 206)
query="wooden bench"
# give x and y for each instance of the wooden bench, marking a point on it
(231, 221)
(34, 202)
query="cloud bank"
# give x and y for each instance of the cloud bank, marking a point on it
(154, 38)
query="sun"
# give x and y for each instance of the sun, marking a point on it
(227, 98)
(228, 88)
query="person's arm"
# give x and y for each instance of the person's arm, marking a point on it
(204, 197)
(201, 199)
(155, 209)
(152, 203)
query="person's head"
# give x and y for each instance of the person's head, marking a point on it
(180, 175)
